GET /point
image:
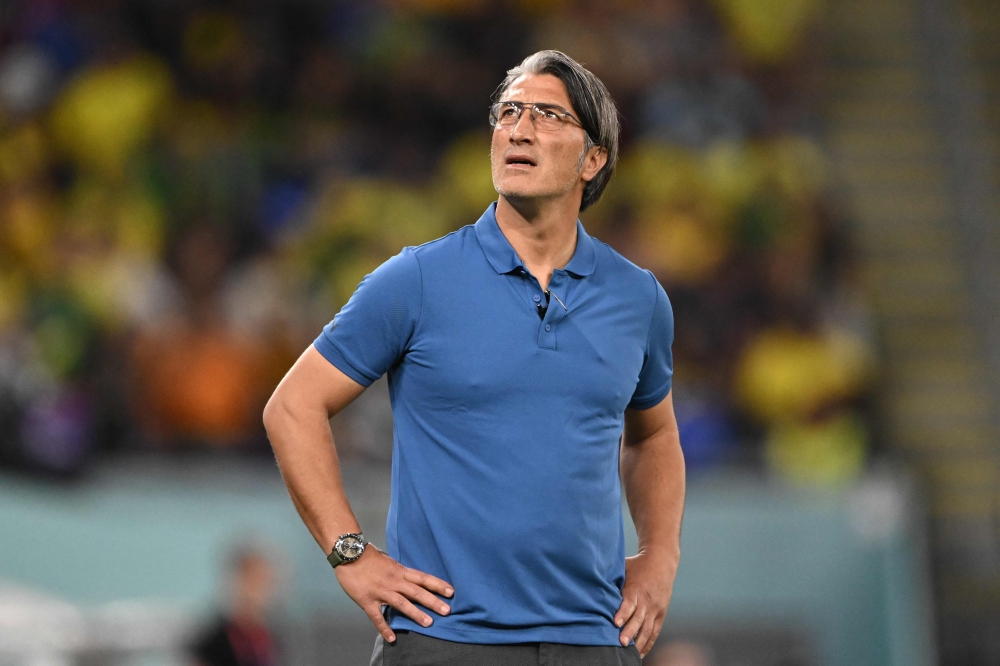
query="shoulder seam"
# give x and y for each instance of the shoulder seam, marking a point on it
(441, 238)
(420, 280)
(652, 311)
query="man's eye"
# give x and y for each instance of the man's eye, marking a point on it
(549, 113)
(508, 111)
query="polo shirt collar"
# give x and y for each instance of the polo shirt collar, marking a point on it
(504, 259)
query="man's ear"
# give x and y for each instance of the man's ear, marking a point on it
(593, 162)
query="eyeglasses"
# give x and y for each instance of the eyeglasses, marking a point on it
(546, 117)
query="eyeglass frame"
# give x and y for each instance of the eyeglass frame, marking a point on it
(535, 107)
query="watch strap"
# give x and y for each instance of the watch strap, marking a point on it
(334, 558)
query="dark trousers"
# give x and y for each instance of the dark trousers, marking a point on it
(413, 649)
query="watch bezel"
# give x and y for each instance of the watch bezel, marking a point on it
(342, 544)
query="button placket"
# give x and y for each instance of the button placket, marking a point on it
(546, 329)
(556, 311)
(531, 288)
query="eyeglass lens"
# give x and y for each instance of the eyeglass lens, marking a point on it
(506, 114)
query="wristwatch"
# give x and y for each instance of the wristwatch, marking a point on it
(348, 548)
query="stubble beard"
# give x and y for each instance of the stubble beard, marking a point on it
(526, 193)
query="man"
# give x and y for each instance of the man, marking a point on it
(241, 636)
(518, 349)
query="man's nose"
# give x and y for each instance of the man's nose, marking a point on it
(524, 128)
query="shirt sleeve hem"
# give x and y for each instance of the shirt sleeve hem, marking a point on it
(331, 353)
(653, 401)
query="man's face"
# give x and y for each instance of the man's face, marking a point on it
(254, 585)
(528, 164)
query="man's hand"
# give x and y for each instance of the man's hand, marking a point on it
(375, 579)
(649, 583)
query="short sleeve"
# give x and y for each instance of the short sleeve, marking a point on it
(373, 330)
(657, 372)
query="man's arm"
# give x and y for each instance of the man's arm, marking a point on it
(652, 468)
(297, 420)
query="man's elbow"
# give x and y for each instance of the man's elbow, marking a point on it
(290, 409)
(275, 411)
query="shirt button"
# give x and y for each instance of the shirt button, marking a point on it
(548, 327)
(537, 298)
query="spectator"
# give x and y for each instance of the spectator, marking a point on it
(240, 635)
(199, 378)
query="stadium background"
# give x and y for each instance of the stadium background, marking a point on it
(190, 190)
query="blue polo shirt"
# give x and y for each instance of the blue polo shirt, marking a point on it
(505, 457)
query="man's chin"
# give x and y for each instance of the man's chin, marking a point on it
(523, 193)
(520, 189)
(515, 195)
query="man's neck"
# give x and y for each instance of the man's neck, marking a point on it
(542, 233)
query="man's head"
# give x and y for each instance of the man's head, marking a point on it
(576, 150)
(253, 571)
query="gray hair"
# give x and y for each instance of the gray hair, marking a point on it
(592, 103)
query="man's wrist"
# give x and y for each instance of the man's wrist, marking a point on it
(348, 548)
(668, 556)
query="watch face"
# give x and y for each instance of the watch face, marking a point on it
(350, 547)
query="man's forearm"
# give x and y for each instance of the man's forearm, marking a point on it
(652, 466)
(654, 482)
(297, 422)
(304, 448)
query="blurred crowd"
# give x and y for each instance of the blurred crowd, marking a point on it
(189, 190)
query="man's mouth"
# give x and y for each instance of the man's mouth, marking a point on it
(520, 161)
